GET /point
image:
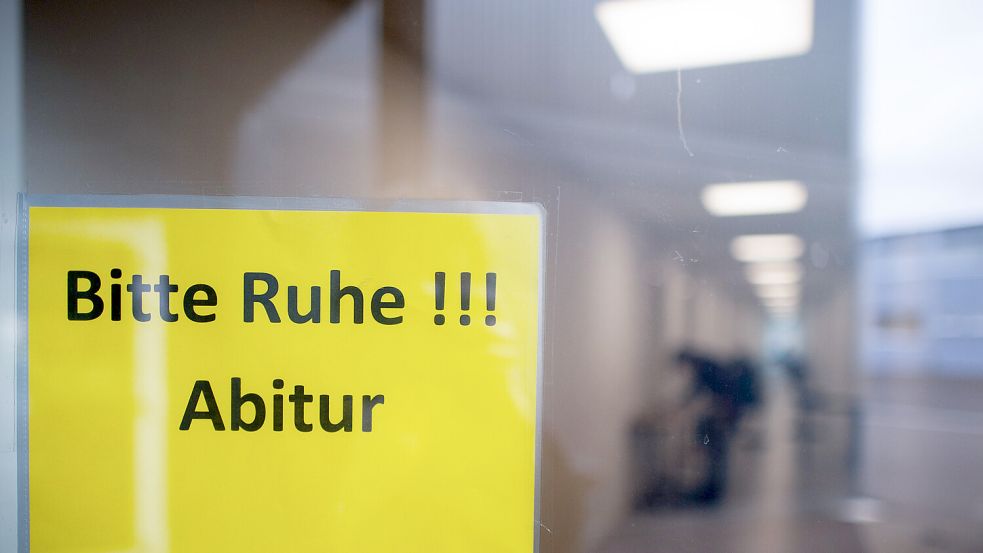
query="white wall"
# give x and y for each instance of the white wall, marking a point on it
(720, 324)
(829, 341)
(598, 369)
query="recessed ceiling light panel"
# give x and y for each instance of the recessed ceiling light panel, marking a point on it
(753, 248)
(665, 35)
(762, 274)
(754, 198)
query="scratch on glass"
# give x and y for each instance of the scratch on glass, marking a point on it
(679, 111)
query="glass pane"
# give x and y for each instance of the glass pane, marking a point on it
(763, 243)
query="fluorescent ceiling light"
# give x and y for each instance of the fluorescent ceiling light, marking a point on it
(778, 291)
(663, 35)
(754, 198)
(752, 248)
(778, 295)
(788, 308)
(780, 303)
(761, 274)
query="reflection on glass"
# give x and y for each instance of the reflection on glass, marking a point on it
(763, 226)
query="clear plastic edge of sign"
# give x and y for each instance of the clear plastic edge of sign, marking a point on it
(27, 201)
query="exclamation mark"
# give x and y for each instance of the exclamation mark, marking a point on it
(490, 298)
(438, 286)
(465, 298)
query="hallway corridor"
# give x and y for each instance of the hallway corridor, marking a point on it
(793, 490)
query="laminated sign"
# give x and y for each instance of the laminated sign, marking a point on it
(208, 375)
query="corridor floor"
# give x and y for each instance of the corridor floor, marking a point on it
(794, 488)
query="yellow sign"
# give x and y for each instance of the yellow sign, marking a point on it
(207, 380)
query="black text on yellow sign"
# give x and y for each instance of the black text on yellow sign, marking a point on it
(356, 369)
(86, 303)
(147, 301)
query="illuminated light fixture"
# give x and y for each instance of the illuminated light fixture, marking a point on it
(754, 198)
(780, 298)
(777, 291)
(665, 35)
(761, 274)
(784, 305)
(754, 248)
(783, 313)
(780, 303)
(782, 308)
(778, 295)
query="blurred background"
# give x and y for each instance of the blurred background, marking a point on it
(765, 224)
